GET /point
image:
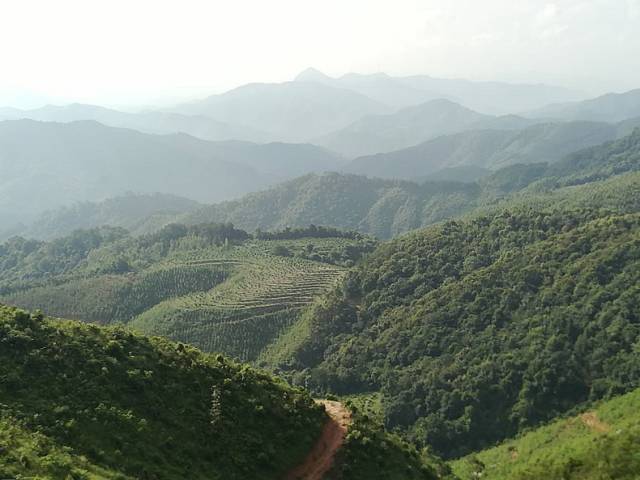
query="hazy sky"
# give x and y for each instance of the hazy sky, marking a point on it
(119, 52)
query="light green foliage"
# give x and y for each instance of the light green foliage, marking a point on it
(83, 402)
(603, 443)
(208, 285)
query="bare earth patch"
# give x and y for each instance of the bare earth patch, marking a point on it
(591, 420)
(320, 459)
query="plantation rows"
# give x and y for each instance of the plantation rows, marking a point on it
(243, 338)
(230, 298)
(119, 298)
(241, 316)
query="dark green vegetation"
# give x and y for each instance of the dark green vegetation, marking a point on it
(210, 285)
(382, 208)
(371, 453)
(598, 444)
(83, 402)
(87, 161)
(476, 329)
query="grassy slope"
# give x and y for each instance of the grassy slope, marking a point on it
(603, 443)
(78, 398)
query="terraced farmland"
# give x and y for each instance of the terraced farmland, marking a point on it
(236, 297)
(242, 315)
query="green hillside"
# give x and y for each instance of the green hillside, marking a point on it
(84, 402)
(213, 286)
(600, 443)
(475, 330)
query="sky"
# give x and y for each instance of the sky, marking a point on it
(137, 53)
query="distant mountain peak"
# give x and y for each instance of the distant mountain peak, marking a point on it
(311, 75)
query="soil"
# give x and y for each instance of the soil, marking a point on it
(320, 459)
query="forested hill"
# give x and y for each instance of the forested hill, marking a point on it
(80, 401)
(86, 402)
(386, 208)
(138, 213)
(489, 148)
(475, 330)
(379, 207)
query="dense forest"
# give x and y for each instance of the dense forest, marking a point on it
(476, 329)
(602, 442)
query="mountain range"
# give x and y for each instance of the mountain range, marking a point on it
(489, 149)
(496, 98)
(85, 161)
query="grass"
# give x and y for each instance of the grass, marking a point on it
(599, 444)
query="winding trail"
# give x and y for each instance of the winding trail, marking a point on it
(320, 459)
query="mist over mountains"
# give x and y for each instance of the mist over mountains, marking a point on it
(252, 137)
(85, 160)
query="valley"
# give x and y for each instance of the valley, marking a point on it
(320, 240)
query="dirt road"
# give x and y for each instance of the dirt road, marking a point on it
(320, 458)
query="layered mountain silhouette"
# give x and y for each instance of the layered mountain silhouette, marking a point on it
(148, 122)
(497, 98)
(486, 148)
(290, 111)
(612, 107)
(46, 165)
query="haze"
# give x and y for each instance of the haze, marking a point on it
(122, 53)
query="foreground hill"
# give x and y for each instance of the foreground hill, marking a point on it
(599, 443)
(85, 402)
(87, 161)
(491, 149)
(80, 401)
(475, 330)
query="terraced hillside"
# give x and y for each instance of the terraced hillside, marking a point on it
(263, 295)
(212, 286)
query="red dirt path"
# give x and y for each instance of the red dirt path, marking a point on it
(320, 459)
